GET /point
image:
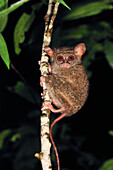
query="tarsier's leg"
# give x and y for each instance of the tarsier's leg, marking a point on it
(55, 103)
(49, 105)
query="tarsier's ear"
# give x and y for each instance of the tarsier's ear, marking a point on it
(79, 50)
(49, 51)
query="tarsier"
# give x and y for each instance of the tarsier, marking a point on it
(67, 83)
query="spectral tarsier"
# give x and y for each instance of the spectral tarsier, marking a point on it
(67, 83)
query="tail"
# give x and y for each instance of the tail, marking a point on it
(50, 132)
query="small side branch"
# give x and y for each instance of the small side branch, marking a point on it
(44, 155)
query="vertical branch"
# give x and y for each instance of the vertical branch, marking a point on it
(44, 155)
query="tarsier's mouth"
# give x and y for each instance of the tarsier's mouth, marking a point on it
(65, 65)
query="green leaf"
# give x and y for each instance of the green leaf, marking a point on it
(88, 9)
(22, 26)
(12, 8)
(15, 137)
(34, 34)
(26, 92)
(110, 132)
(63, 3)
(3, 23)
(3, 19)
(108, 165)
(91, 53)
(3, 4)
(23, 159)
(77, 33)
(4, 51)
(3, 135)
(105, 25)
(108, 49)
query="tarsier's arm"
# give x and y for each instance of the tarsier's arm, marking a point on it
(79, 51)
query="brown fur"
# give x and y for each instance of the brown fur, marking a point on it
(68, 86)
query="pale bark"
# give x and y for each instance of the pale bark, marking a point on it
(44, 155)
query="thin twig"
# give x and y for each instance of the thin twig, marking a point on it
(44, 155)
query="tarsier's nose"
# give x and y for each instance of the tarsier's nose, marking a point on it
(66, 61)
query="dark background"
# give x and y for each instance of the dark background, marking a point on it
(83, 140)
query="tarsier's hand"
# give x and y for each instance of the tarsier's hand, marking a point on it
(42, 80)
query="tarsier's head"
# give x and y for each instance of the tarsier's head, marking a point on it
(66, 57)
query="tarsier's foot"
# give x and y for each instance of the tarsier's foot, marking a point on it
(42, 79)
(49, 105)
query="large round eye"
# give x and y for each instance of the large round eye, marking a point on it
(71, 58)
(60, 58)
